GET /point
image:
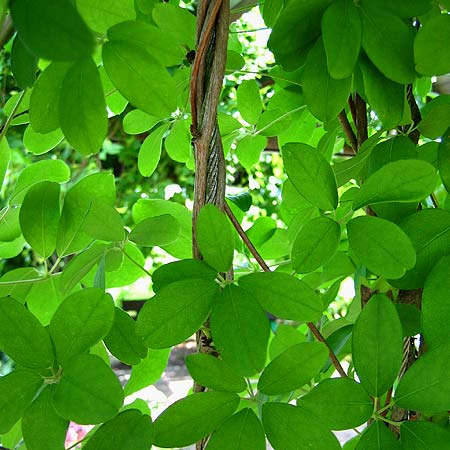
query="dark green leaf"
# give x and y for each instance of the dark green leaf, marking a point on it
(381, 246)
(183, 423)
(377, 365)
(17, 390)
(435, 120)
(159, 230)
(23, 64)
(53, 31)
(249, 101)
(293, 368)
(242, 431)
(284, 296)
(287, 427)
(89, 392)
(411, 319)
(215, 238)
(22, 337)
(176, 312)
(312, 176)
(130, 430)
(83, 319)
(339, 403)
(122, 340)
(214, 373)
(42, 427)
(240, 330)
(377, 437)
(418, 435)
(150, 151)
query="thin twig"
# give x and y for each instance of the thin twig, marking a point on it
(136, 263)
(13, 113)
(314, 330)
(348, 130)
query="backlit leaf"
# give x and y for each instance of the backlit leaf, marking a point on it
(249, 101)
(159, 230)
(150, 151)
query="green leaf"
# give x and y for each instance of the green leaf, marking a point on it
(408, 180)
(377, 366)
(122, 340)
(214, 373)
(293, 368)
(240, 330)
(82, 108)
(242, 431)
(42, 427)
(381, 246)
(287, 426)
(22, 337)
(176, 312)
(249, 101)
(394, 58)
(183, 423)
(377, 437)
(215, 238)
(316, 243)
(312, 176)
(338, 403)
(89, 391)
(283, 295)
(103, 14)
(53, 31)
(418, 435)
(103, 222)
(137, 122)
(5, 154)
(431, 55)
(140, 78)
(444, 159)
(178, 142)
(148, 371)
(249, 148)
(17, 390)
(285, 337)
(77, 204)
(130, 430)
(23, 64)
(38, 143)
(20, 290)
(44, 100)
(47, 170)
(436, 120)
(159, 230)
(82, 319)
(114, 99)
(9, 224)
(181, 270)
(39, 217)
(341, 30)
(316, 78)
(426, 385)
(150, 151)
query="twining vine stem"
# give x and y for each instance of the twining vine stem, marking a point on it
(314, 330)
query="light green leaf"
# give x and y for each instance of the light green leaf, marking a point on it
(215, 238)
(339, 403)
(377, 366)
(183, 423)
(103, 14)
(38, 143)
(240, 330)
(249, 101)
(53, 31)
(214, 373)
(17, 390)
(249, 148)
(293, 368)
(421, 435)
(20, 290)
(122, 340)
(285, 296)
(103, 222)
(176, 312)
(159, 230)
(23, 64)
(316, 243)
(178, 142)
(22, 337)
(130, 430)
(115, 101)
(341, 30)
(150, 151)
(148, 371)
(312, 176)
(242, 431)
(407, 180)
(286, 426)
(89, 392)
(431, 54)
(39, 217)
(42, 427)
(5, 154)
(137, 122)
(377, 437)
(316, 78)
(82, 319)
(285, 337)
(47, 170)
(9, 224)
(140, 78)
(444, 159)
(381, 246)
(82, 108)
